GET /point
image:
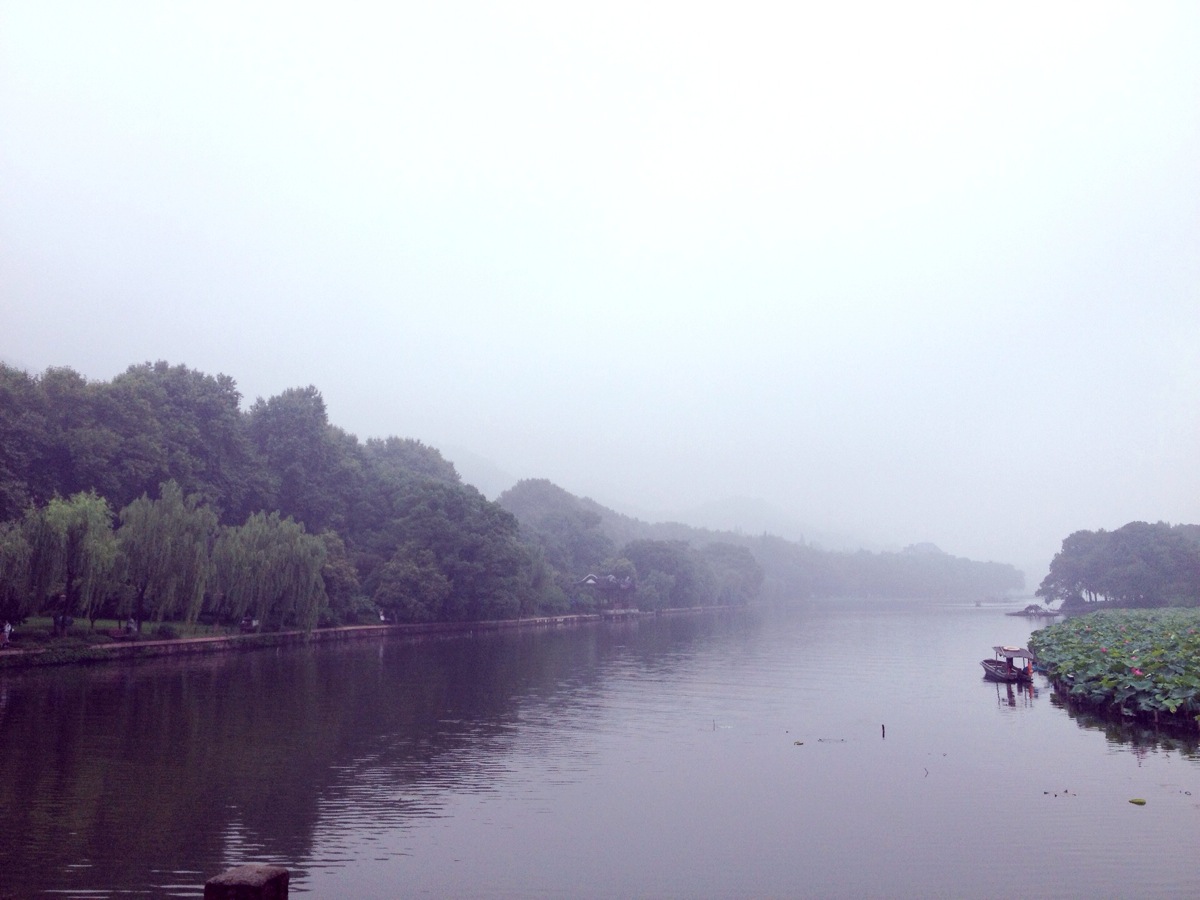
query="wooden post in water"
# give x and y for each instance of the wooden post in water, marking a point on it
(251, 882)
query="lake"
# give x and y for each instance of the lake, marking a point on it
(830, 749)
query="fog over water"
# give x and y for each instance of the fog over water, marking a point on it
(929, 274)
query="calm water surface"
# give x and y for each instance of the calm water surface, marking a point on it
(657, 759)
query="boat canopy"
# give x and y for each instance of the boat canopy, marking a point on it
(1015, 653)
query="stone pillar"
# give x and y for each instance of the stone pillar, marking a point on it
(251, 882)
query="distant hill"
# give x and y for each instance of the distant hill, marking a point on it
(481, 473)
(565, 524)
(751, 515)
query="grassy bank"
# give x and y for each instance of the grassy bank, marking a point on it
(1139, 663)
(38, 630)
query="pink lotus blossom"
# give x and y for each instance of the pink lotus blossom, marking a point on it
(1138, 672)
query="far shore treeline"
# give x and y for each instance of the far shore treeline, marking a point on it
(155, 496)
(1139, 565)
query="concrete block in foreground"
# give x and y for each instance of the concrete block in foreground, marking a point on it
(253, 882)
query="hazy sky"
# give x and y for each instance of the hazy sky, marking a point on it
(916, 272)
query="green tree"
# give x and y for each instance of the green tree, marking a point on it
(738, 578)
(1151, 565)
(45, 559)
(346, 601)
(395, 460)
(24, 444)
(316, 469)
(1139, 564)
(411, 586)
(60, 433)
(164, 554)
(1077, 570)
(569, 535)
(542, 592)
(196, 434)
(87, 550)
(474, 542)
(270, 568)
(683, 578)
(16, 600)
(657, 591)
(80, 449)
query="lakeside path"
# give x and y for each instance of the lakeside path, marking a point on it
(18, 658)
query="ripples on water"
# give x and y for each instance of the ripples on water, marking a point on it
(715, 756)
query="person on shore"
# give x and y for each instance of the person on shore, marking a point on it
(7, 633)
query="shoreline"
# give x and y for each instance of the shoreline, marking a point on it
(1180, 724)
(17, 658)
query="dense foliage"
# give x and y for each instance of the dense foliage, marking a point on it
(1139, 661)
(164, 552)
(1137, 565)
(155, 496)
(179, 504)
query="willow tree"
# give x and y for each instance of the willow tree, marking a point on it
(16, 600)
(270, 568)
(82, 529)
(43, 579)
(164, 555)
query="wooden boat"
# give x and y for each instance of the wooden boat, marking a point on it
(1002, 668)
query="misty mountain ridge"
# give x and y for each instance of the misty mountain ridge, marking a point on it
(574, 530)
(737, 515)
(753, 515)
(483, 474)
(704, 524)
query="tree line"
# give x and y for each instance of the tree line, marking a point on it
(166, 559)
(1137, 565)
(155, 495)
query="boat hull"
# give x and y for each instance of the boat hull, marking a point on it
(996, 670)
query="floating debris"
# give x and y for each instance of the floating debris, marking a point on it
(799, 743)
(1138, 801)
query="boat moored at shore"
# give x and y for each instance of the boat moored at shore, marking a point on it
(1003, 667)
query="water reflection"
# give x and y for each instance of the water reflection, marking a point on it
(716, 756)
(1015, 696)
(219, 760)
(1137, 736)
(238, 757)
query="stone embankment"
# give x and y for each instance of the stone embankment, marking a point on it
(15, 656)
